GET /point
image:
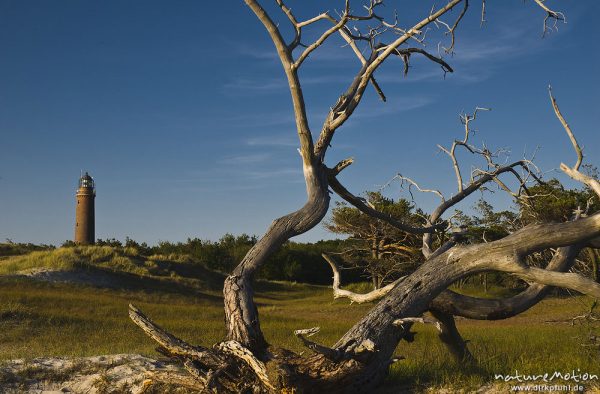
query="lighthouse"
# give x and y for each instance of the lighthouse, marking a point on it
(84, 212)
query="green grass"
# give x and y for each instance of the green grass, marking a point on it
(104, 257)
(57, 319)
(124, 267)
(44, 319)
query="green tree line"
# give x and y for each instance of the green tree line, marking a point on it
(370, 249)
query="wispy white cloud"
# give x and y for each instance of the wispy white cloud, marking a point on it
(415, 75)
(257, 85)
(332, 53)
(254, 158)
(273, 140)
(289, 141)
(473, 60)
(477, 52)
(246, 85)
(507, 44)
(335, 49)
(326, 78)
(399, 105)
(244, 176)
(259, 53)
(262, 119)
(468, 62)
(273, 173)
(478, 60)
(250, 50)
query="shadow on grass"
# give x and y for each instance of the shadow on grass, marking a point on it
(416, 377)
(282, 291)
(123, 281)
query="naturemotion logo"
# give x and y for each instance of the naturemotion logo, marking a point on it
(575, 376)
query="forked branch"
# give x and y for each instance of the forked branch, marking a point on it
(172, 344)
(466, 119)
(493, 309)
(422, 320)
(340, 190)
(550, 14)
(339, 25)
(355, 297)
(348, 102)
(574, 172)
(329, 353)
(213, 369)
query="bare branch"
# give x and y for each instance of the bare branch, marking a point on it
(452, 30)
(324, 36)
(567, 129)
(340, 190)
(330, 354)
(482, 13)
(479, 177)
(379, 293)
(363, 77)
(237, 350)
(285, 55)
(353, 95)
(466, 120)
(172, 344)
(294, 22)
(494, 309)
(574, 172)
(538, 237)
(423, 320)
(550, 14)
(335, 355)
(412, 183)
(405, 53)
(339, 167)
(472, 187)
(355, 297)
(566, 280)
(313, 20)
(451, 337)
(347, 36)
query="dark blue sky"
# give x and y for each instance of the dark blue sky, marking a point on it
(181, 113)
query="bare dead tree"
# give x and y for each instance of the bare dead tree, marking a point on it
(359, 360)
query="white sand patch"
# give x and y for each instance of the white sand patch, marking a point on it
(77, 276)
(123, 373)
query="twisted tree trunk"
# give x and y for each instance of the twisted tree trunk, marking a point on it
(241, 315)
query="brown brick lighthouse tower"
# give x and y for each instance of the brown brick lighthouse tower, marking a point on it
(84, 213)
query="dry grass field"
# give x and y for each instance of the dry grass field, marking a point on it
(49, 318)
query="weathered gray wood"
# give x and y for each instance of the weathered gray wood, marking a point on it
(360, 359)
(456, 304)
(450, 336)
(171, 343)
(240, 310)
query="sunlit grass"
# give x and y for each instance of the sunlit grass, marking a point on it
(117, 259)
(53, 319)
(126, 263)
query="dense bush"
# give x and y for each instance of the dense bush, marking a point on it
(10, 248)
(299, 262)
